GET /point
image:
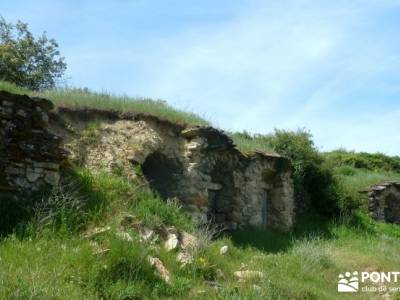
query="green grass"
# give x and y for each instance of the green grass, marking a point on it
(47, 256)
(78, 98)
(361, 178)
(353, 180)
(246, 142)
(52, 260)
(362, 160)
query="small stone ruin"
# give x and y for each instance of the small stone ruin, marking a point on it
(384, 201)
(199, 166)
(217, 182)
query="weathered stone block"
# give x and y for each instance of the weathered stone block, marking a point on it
(27, 147)
(384, 201)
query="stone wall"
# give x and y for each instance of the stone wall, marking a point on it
(199, 166)
(384, 202)
(233, 188)
(30, 155)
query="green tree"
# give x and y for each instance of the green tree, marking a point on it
(30, 62)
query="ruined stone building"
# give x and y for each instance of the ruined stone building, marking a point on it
(199, 166)
(384, 202)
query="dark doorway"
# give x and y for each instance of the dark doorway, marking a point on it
(392, 209)
(163, 174)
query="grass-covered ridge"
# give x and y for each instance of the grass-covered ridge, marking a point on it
(78, 98)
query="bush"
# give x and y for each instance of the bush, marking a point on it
(26, 61)
(363, 160)
(314, 183)
(362, 221)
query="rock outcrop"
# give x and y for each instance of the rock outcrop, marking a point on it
(384, 202)
(30, 155)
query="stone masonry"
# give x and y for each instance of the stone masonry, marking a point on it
(384, 202)
(30, 155)
(199, 166)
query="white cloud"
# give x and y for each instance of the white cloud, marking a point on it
(331, 66)
(279, 67)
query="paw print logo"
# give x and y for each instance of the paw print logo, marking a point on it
(348, 282)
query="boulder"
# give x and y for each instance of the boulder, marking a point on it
(245, 275)
(96, 231)
(187, 240)
(172, 242)
(124, 236)
(160, 269)
(146, 234)
(184, 258)
(224, 250)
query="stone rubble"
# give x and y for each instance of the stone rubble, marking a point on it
(247, 274)
(172, 242)
(224, 250)
(160, 269)
(184, 258)
(187, 241)
(124, 236)
(96, 231)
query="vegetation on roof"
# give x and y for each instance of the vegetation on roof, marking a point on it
(79, 98)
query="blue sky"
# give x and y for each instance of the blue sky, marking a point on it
(332, 67)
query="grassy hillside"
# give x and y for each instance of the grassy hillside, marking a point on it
(52, 251)
(50, 258)
(356, 171)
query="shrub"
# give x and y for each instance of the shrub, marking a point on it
(362, 221)
(363, 160)
(313, 182)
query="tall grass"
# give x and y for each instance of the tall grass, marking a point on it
(78, 98)
(58, 262)
(246, 142)
(52, 259)
(351, 181)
